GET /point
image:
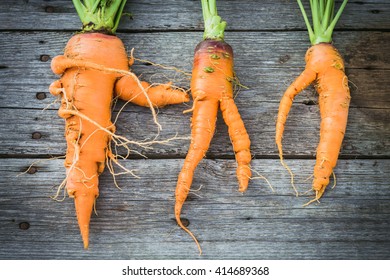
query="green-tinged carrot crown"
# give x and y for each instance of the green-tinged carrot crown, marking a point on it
(100, 15)
(214, 26)
(323, 18)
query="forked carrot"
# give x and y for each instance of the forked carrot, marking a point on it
(324, 66)
(212, 88)
(94, 68)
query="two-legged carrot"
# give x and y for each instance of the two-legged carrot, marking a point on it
(325, 67)
(212, 89)
(94, 68)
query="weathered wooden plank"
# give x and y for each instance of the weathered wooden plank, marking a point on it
(264, 62)
(369, 88)
(352, 222)
(186, 15)
(33, 132)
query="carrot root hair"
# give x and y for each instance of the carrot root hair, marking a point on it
(262, 177)
(180, 223)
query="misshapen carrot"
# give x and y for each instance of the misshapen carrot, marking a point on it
(212, 89)
(94, 68)
(324, 66)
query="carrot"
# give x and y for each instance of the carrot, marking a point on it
(325, 67)
(93, 69)
(212, 88)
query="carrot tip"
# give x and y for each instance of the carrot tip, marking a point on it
(243, 176)
(84, 206)
(84, 230)
(86, 243)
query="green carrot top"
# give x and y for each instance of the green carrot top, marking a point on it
(100, 15)
(323, 18)
(214, 26)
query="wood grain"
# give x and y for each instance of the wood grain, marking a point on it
(137, 222)
(352, 221)
(368, 133)
(264, 62)
(186, 15)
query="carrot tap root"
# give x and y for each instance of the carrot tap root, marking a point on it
(182, 191)
(325, 66)
(144, 94)
(93, 62)
(240, 141)
(300, 83)
(212, 89)
(284, 164)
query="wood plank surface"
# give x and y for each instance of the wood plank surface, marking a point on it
(352, 221)
(137, 222)
(267, 78)
(264, 62)
(186, 15)
(29, 132)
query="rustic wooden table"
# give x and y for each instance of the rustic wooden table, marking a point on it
(137, 222)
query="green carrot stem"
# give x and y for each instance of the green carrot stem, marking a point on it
(100, 15)
(323, 19)
(214, 26)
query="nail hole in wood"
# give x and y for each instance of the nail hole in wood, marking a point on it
(283, 59)
(185, 222)
(41, 95)
(36, 135)
(32, 170)
(49, 9)
(24, 225)
(44, 58)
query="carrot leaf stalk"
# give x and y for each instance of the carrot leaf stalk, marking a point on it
(323, 19)
(325, 67)
(100, 15)
(214, 26)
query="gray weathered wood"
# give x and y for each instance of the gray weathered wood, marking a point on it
(186, 15)
(265, 62)
(270, 41)
(267, 78)
(352, 221)
(367, 135)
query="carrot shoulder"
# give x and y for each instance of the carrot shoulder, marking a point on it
(334, 99)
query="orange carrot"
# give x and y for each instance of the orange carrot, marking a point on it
(212, 88)
(94, 67)
(325, 66)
